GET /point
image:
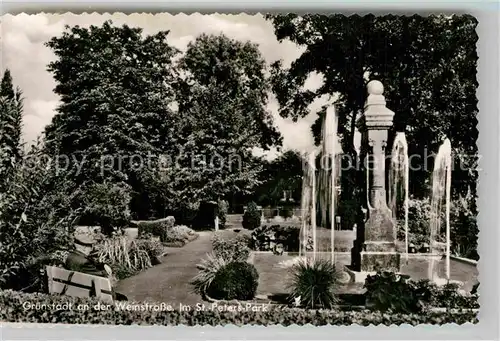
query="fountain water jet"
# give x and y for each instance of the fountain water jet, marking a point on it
(399, 176)
(321, 187)
(330, 150)
(307, 202)
(441, 191)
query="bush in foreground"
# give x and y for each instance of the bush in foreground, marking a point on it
(208, 269)
(388, 291)
(37, 220)
(235, 281)
(128, 257)
(313, 283)
(14, 309)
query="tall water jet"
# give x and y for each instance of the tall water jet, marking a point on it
(399, 177)
(308, 204)
(312, 163)
(306, 201)
(441, 191)
(330, 151)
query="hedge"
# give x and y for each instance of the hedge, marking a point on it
(14, 309)
(157, 228)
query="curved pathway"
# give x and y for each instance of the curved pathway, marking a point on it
(168, 282)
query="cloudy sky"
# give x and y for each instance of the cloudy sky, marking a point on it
(23, 52)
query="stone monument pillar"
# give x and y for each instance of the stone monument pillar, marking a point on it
(379, 248)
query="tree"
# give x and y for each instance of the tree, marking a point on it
(36, 219)
(115, 86)
(279, 175)
(427, 65)
(11, 115)
(6, 86)
(222, 100)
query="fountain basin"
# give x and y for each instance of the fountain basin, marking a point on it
(386, 260)
(275, 279)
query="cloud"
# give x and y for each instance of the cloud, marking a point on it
(24, 53)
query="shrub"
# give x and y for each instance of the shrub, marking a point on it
(275, 238)
(37, 219)
(464, 231)
(236, 280)
(126, 256)
(178, 233)
(107, 205)
(13, 310)
(154, 248)
(462, 220)
(449, 296)
(251, 217)
(418, 222)
(208, 268)
(235, 249)
(398, 293)
(389, 291)
(314, 282)
(157, 228)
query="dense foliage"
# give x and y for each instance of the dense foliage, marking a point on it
(208, 269)
(463, 225)
(237, 280)
(387, 291)
(11, 115)
(276, 238)
(179, 235)
(106, 205)
(427, 65)
(115, 86)
(252, 217)
(37, 210)
(37, 218)
(283, 174)
(313, 283)
(157, 228)
(135, 109)
(128, 257)
(233, 250)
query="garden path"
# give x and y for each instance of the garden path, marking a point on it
(168, 282)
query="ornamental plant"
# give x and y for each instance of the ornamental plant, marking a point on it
(251, 217)
(235, 281)
(313, 283)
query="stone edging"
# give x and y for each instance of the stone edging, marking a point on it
(464, 260)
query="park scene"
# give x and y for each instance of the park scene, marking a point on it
(236, 169)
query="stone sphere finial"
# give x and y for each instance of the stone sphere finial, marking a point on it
(375, 88)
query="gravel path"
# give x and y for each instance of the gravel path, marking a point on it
(168, 282)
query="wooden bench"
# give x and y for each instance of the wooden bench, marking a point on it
(78, 284)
